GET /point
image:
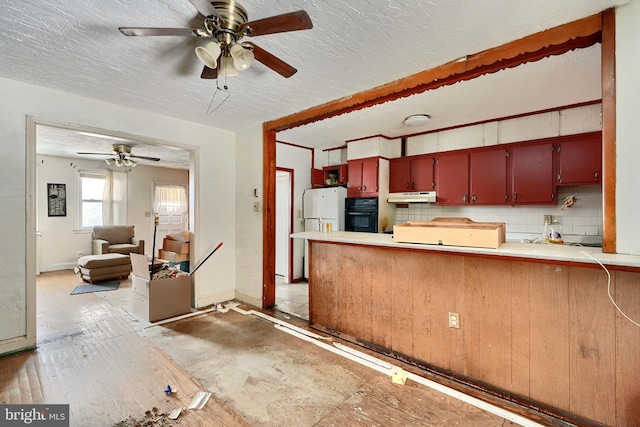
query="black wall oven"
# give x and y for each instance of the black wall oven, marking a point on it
(361, 214)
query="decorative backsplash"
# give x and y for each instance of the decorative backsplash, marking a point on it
(584, 218)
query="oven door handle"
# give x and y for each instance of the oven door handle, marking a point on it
(358, 214)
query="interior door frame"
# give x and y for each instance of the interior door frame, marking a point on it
(291, 212)
(598, 28)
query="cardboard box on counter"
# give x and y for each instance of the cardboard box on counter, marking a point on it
(171, 245)
(158, 299)
(172, 256)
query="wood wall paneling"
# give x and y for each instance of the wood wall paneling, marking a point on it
(421, 306)
(350, 290)
(487, 320)
(401, 293)
(520, 326)
(549, 334)
(381, 289)
(546, 332)
(591, 346)
(447, 295)
(627, 349)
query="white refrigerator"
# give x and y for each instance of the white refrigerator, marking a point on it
(322, 206)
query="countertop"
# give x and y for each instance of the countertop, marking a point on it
(527, 251)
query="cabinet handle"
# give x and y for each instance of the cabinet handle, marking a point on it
(464, 198)
(515, 196)
(364, 188)
(506, 197)
(360, 188)
(413, 185)
(559, 178)
(407, 185)
(473, 198)
(595, 175)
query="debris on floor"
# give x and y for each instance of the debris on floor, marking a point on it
(169, 390)
(152, 418)
(400, 377)
(199, 400)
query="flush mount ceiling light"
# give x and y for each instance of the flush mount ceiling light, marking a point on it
(417, 120)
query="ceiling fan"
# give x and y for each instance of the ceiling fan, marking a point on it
(226, 22)
(121, 156)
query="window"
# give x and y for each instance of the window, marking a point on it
(90, 195)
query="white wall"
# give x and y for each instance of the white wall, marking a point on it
(249, 230)
(298, 159)
(627, 130)
(60, 242)
(214, 192)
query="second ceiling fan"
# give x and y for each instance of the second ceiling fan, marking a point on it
(226, 22)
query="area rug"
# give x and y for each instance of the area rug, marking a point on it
(105, 286)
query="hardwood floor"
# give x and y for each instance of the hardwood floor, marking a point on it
(94, 355)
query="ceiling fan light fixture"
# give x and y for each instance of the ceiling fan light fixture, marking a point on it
(242, 57)
(208, 54)
(417, 120)
(226, 67)
(109, 162)
(119, 163)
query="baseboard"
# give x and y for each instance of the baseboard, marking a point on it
(16, 345)
(249, 299)
(58, 267)
(210, 299)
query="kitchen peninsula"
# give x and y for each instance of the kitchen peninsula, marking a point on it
(535, 321)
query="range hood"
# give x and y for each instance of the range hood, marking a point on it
(413, 197)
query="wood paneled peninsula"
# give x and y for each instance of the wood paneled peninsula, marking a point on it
(536, 323)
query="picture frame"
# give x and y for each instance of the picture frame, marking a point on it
(57, 199)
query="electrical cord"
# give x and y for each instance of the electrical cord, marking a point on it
(609, 289)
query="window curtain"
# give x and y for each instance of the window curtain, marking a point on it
(170, 199)
(114, 199)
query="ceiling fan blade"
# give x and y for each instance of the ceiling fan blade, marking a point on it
(293, 21)
(153, 159)
(96, 154)
(206, 8)
(271, 61)
(149, 31)
(209, 73)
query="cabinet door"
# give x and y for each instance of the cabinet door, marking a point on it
(452, 181)
(532, 173)
(400, 175)
(488, 176)
(369, 177)
(354, 185)
(422, 174)
(580, 160)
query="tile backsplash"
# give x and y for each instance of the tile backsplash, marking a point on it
(584, 218)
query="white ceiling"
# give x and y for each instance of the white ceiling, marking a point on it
(355, 45)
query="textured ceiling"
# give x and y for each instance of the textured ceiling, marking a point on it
(75, 46)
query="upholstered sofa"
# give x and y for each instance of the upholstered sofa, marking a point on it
(119, 239)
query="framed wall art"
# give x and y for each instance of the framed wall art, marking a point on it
(57, 199)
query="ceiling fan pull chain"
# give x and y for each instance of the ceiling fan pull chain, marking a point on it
(219, 97)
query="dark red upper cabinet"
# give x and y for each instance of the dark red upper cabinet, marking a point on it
(580, 159)
(488, 176)
(363, 177)
(452, 178)
(532, 180)
(400, 175)
(411, 174)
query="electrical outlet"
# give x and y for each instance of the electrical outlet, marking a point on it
(454, 320)
(546, 219)
(256, 206)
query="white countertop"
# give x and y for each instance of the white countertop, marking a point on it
(544, 251)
